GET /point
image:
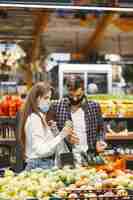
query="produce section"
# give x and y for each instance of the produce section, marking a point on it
(115, 106)
(97, 50)
(111, 106)
(9, 105)
(119, 135)
(118, 114)
(78, 183)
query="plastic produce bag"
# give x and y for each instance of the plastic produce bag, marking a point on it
(92, 158)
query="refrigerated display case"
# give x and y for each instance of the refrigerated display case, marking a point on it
(96, 74)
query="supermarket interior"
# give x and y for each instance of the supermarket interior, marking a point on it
(58, 41)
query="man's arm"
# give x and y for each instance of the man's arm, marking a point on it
(100, 145)
(101, 127)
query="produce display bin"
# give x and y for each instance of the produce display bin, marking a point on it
(97, 195)
(94, 198)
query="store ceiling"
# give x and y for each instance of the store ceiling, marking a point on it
(119, 3)
(71, 34)
(63, 31)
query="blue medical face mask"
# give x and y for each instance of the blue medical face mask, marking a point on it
(44, 106)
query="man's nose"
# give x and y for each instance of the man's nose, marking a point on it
(75, 98)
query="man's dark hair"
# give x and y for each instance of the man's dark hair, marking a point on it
(75, 83)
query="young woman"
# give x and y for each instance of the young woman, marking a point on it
(38, 141)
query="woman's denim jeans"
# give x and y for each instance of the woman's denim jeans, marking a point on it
(39, 163)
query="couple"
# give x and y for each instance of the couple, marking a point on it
(40, 143)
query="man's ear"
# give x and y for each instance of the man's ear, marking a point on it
(81, 91)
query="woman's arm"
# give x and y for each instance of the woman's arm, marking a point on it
(42, 146)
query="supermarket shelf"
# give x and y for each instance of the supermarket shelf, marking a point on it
(8, 141)
(7, 120)
(117, 117)
(7, 117)
(120, 137)
(123, 156)
(128, 157)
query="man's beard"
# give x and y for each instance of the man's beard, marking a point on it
(75, 102)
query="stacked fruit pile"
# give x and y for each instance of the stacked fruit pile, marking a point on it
(113, 106)
(64, 183)
(9, 105)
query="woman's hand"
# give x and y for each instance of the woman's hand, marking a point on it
(68, 130)
(72, 137)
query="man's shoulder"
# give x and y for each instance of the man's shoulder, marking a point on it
(59, 102)
(93, 104)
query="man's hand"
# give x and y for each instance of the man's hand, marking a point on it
(73, 139)
(100, 146)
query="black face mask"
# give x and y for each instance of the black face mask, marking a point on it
(75, 102)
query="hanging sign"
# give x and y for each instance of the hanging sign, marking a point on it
(32, 2)
(99, 5)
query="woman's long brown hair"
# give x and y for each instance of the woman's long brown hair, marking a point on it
(38, 90)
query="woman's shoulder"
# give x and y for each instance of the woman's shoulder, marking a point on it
(34, 117)
(33, 121)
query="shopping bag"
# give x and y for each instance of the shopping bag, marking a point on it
(63, 156)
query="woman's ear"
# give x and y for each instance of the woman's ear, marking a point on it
(38, 100)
